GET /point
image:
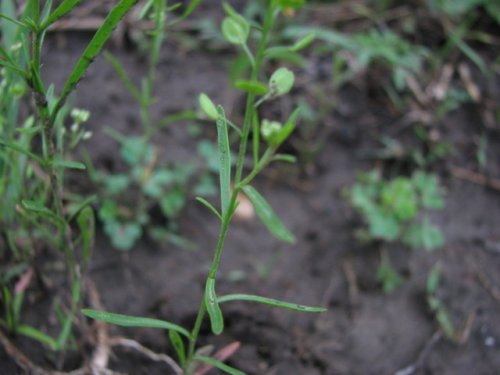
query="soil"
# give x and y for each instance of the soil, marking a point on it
(364, 330)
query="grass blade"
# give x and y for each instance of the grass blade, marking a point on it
(224, 160)
(93, 48)
(271, 302)
(221, 366)
(267, 215)
(213, 308)
(64, 8)
(37, 335)
(133, 321)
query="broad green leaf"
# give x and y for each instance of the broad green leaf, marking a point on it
(399, 197)
(224, 161)
(424, 235)
(218, 364)
(271, 302)
(213, 309)
(281, 81)
(134, 321)
(93, 48)
(253, 87)
(430, 191)
(178, 344)
(267, 215)
(116, 183)
(123, 235)
(381, 225)
(65, 7)
(173, 202)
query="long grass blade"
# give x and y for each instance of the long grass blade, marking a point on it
(133, 321)
(271, 302)
(93, 48)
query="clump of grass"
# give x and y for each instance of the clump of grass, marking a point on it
(235, 180)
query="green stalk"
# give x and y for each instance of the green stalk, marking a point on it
(249, 114)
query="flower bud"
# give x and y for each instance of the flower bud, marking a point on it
(208, 106)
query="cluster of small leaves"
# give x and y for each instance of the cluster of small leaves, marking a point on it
(391, 208)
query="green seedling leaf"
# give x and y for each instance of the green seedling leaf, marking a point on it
(178, 345)
(213, 309)
(124, 77)
(224, 160)
(42, 211)
(22, 150)
(285, 158)
(218, 364)
(235, 30)
(304, 42)
(295, 4)
(267, 215)
(390, 279)
(172, 203)
(399, 198)
(282, 53)
(65, 7)
(116, 183)
(190, 8)
(445, 323)
(382, 226)
(424, 235)
(86, 224)
(37, 335)
(209, 206)
(134, 321)
(93, 49)
(270, 302)
(123, 235)
(430, 191)
(208, 106)
(252, 87)
(281, 82)
(136, 150)
(433, 280)
(69, 164)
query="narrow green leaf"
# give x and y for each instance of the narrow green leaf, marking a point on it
(213, 309)
(288, 128)
(18, 148)
(79, 207)
(133, 321)
(252, 87)
(304, 42)
(209, 206)
(267, 215)
(41, 210)
(178, 345)
(37, 335)
(86, 224)
(190, 8)
(271, 302)
(124, 77)
(218, 364)
(64, 8)
(69, 164)
(14, 21)
(285, 158)
(255, 138)
(93, 48)
(224, 160)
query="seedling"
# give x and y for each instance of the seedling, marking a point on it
(393, 210)
(436, 306)
(232, 182)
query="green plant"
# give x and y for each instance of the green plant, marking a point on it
(232, 182)
(393, 210)
(35, 211)
(435, 304)
(153, 184)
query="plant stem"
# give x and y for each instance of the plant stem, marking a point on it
(238, 184)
